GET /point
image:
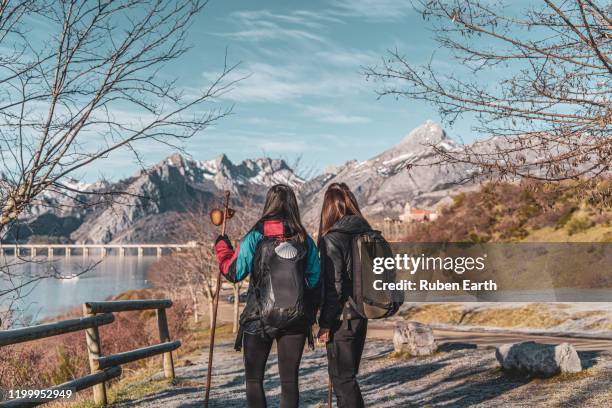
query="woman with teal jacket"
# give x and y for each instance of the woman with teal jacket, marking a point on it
(283, 265)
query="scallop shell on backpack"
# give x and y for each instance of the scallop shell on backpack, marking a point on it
(286, 251)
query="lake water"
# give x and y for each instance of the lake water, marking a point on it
(107, 277)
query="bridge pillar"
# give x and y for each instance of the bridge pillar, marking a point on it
(68, 252)
(159, 252)
(121, 251)
(33, 252)
(50, 252)
(16, 251)
(85, 252)
(140, 252)
(103, 252)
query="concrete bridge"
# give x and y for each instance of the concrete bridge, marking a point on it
(86, 250)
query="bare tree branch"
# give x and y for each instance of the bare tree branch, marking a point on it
(547, 114)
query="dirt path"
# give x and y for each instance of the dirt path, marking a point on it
(464, 373)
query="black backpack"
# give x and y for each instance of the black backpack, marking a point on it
(280, 286)
(367, 302)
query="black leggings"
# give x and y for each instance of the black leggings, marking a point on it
(256, 351)
(344, 355)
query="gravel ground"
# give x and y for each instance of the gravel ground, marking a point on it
(458, 375)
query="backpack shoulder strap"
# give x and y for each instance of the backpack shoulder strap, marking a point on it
(356, 272)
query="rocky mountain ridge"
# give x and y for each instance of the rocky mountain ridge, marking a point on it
(405, 173)
(153, 199)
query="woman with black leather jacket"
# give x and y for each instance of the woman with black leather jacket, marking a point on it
(341, 328)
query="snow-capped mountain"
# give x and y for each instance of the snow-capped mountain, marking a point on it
(405, 173)
(151, 201)
(154, 198)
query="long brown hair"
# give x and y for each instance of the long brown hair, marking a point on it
(338, 201)
(282, 204)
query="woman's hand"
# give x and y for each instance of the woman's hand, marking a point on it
(225, 239)
(323, 335)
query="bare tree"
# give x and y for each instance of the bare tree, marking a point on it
(539, 82)
(195, 270)
(188, 274)
(94, 84)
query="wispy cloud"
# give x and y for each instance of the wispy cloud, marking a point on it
(331, 115)
(258, 143)
(265, 82)
(264, 25)
(307, 25)
(380, 10)
(351, 58)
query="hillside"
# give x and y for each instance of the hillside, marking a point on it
(524, 212)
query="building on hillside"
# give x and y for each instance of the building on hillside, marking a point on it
(413, 214)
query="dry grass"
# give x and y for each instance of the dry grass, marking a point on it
(133, 386)
(598, 233)
(570, 377)
(138, 383)
(534, 316)
(436, 313)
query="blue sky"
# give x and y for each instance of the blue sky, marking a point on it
(304, 94)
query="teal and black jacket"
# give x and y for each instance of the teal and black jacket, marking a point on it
(236, 265)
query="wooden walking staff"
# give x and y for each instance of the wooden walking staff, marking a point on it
(218, 218)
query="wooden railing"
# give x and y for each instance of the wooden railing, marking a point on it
(103, 368)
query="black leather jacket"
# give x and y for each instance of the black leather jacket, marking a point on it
(337, 266)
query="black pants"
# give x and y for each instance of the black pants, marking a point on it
(344, 355)
(256, 351)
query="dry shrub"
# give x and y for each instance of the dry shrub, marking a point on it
(556, 216)
(44, 362)
(506, 212)
(58, 359)
(578, 224)
(602, 219)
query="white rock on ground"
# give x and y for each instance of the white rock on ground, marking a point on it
(414, 338)
(539, 359)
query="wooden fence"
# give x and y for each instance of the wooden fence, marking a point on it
(103, 368)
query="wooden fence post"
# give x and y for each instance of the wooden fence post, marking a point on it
(92, 337)
(164, 336)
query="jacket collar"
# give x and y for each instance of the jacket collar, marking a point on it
(351, 224)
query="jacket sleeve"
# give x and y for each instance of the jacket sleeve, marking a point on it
(313, 265)
(333, 266)
(235, 265)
